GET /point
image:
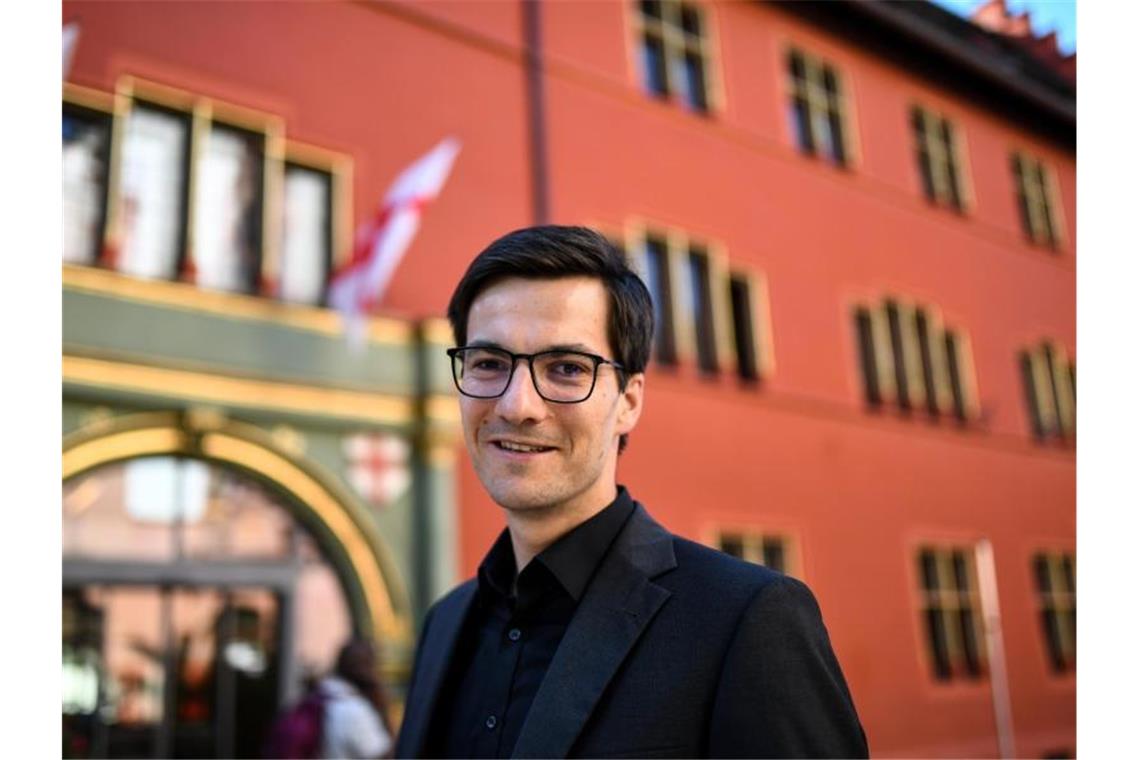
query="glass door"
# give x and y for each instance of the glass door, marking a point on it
(169, 672)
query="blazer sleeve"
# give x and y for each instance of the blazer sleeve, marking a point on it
(402, 750)
(781, 692)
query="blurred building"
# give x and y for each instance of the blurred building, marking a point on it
(857, 220)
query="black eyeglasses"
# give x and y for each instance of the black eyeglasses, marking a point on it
(564, 377)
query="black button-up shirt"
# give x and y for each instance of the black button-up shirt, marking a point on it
(511, 634)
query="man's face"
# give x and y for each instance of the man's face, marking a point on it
(576, 470)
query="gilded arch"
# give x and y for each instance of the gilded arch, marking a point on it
(374, 587)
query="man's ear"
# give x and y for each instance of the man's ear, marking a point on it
(630, 403)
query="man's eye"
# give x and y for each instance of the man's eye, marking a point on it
(487, 364)
(569, 369)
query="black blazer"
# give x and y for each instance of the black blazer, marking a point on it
(675, 650)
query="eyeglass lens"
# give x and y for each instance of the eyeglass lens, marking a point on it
(558, 375)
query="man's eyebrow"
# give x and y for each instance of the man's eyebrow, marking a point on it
(484, 344)
(579, 347)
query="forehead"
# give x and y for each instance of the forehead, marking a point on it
(531, 315)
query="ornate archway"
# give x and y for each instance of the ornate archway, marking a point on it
(373, 585)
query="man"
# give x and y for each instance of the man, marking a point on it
(591, 630)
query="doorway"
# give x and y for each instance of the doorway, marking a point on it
(195, 605)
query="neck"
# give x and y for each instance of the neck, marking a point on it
(534, 530)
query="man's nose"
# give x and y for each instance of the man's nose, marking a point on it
(520, 401)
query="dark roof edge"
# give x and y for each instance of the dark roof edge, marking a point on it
(969, 57)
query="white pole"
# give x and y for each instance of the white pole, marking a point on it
(995, 648)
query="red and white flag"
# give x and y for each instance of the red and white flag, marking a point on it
(380, 243)
(70, 38)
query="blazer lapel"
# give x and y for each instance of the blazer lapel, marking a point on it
(619, 603)
(437, 649)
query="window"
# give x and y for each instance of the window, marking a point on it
(306, 237)
(1050, 382)
(744, 338)
(228, 209)
(659, 281)
(956, 358)
(192, 198)
(674, 52)
(909, 359)
(939, 158)
(227, 204)
(153, 197)
(86, 160)
(817, 108)
(951, 612)
(770, 550)
(1036, 200)
(700, 307)
(1057, 600)
(702, 312)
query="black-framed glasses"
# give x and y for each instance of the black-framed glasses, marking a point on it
(564, 377)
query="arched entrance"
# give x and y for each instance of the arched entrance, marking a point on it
(206, 573)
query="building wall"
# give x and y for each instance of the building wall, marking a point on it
(858, 491)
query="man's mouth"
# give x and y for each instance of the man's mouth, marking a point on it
(521, 448)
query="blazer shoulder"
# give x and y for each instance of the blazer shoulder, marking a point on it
(710, 565)
(457, 596)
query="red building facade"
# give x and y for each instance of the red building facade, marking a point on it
(860, 232)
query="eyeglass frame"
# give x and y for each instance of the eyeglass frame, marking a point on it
(598, 361)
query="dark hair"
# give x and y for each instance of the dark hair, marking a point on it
(358, 663)
(551, 252)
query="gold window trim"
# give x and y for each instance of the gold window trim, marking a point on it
(187, 297)
(204, 387)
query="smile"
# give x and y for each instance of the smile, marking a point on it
(521, 448)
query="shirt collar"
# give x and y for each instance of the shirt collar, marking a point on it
(574, 557)
(571, 560)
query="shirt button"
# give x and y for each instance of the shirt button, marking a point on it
(491, 722)
(514, 634)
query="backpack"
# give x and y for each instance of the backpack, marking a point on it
(296, 733)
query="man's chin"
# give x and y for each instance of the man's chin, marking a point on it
(521, 500)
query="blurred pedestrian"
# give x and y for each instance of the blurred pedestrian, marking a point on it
(356, 708)
(343, 715)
